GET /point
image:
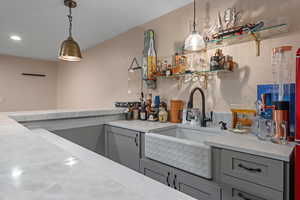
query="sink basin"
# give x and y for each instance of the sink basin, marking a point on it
(182, 147)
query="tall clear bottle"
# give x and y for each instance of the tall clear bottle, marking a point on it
(152, 59)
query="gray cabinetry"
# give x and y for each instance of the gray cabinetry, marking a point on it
(91, 137)
(249, 177)
(234, 186)
(195, 186)
(256, 169)
(236, 194)
(187, 183)
(123, 146)
(236, 175)
(156, 171)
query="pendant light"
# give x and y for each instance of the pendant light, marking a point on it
(70, 50)
(194, 42)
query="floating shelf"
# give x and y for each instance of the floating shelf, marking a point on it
(196, 73)
(192, 75)
(257, 36)
(263, 33)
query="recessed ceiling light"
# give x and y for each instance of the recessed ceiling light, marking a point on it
(15, 38)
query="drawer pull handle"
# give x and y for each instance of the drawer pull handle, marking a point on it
(174, 182)
(168, 182)
(243, 197)
(249, 169)
(136, 140)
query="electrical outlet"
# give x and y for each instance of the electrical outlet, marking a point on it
(1, 99)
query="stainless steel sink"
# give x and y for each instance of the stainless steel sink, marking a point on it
(182, 147)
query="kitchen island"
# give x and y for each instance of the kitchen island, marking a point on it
(36, 164)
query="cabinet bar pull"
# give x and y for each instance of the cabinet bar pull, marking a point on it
(249, 169)
(243, 197)
(174, 182)
(136, 140)
(168, 182)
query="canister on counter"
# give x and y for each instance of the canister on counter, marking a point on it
(176, 111)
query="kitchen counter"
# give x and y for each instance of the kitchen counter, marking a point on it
(141, 126)
(242, 143)
(252, 145)
(61, 114)
(36, 164)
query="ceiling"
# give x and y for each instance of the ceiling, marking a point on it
(42, 24)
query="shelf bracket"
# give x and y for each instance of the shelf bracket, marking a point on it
(257, 42)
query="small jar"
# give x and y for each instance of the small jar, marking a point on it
(163, 115)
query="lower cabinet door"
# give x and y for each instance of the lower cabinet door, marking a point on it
(91, 137)
(195, 186)
(156, 171)
(123, 146)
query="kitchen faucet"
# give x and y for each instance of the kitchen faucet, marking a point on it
(190, 106)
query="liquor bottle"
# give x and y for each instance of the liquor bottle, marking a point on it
(152, 65)
(149, 103)
(145, 68)
(143, 112)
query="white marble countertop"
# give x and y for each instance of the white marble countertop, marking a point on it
(141, 126)
(252, 145)
(62, 114)
(37, 165)
(242, 143)
(40, 165)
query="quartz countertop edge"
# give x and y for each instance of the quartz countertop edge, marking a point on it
(252, 145)
(61, 114)
(141, 126)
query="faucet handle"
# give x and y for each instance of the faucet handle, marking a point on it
(211, 115)
(210, 119)
(223, 125)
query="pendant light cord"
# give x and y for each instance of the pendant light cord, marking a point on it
(70, 21)
(194, 24)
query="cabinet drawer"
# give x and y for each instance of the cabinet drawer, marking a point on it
(240, 195)
(255, 169)
(237, 189)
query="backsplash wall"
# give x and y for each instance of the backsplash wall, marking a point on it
(102, 77)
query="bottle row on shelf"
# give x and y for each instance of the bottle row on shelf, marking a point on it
(191, 64)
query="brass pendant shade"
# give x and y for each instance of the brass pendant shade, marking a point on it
(70, 50)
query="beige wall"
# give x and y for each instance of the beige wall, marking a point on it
(102, 78)
(18, 93)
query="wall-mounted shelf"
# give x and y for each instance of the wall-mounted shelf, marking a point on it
(257, 36)
(203, 76)
(192, 76)
(196, 73)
